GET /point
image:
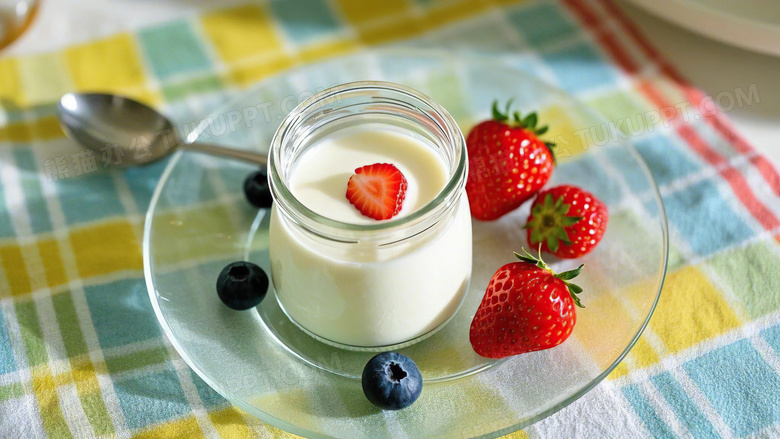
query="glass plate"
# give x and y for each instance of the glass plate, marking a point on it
(198, 222)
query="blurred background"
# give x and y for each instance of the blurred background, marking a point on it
(718, 45)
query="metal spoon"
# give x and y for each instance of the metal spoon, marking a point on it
(98, 121)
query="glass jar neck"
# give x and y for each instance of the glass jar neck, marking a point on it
(396, 106)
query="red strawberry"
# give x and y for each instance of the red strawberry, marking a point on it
(526, 308)
(567, 221)
(377, 190)
(508, 163)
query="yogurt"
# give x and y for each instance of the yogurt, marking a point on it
(319, 179)
(360, 294)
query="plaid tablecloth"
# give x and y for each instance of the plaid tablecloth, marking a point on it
(81, 353)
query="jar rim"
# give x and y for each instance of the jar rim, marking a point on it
(339, 230)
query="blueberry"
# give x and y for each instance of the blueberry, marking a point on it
(242, 285)
(391, 381)
(256, 189)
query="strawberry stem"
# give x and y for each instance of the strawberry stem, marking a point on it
(549, 222)
(528, 122)
(497, 114)
(566, 276)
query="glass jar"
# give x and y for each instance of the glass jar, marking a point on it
(370, 286)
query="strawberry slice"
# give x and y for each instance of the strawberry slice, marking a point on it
(377, 191)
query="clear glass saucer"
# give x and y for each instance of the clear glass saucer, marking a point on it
(198, 221)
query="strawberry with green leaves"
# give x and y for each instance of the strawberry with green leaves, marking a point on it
(567, 221)
(508, 163)
(527, 307)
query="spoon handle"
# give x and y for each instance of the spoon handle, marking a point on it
(221, 151)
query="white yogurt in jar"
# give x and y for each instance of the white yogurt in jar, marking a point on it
(364, 295)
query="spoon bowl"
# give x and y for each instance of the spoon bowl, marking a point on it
(142, 135)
